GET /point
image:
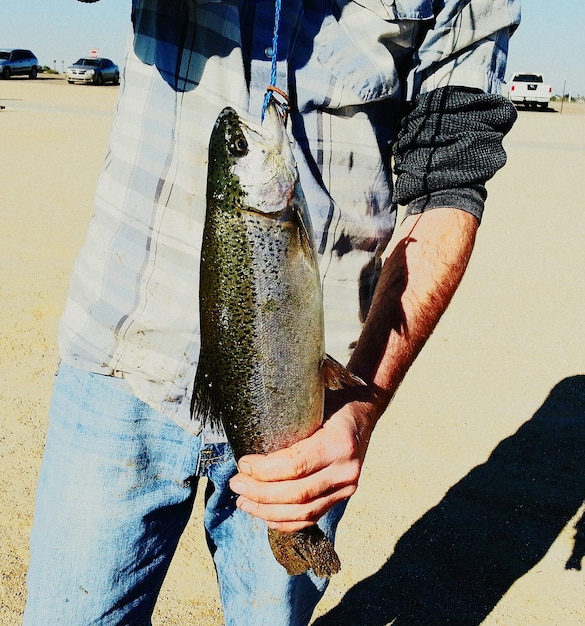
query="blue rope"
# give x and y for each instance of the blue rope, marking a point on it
(269, 92)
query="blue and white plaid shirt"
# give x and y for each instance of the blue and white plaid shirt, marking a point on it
(349, 67)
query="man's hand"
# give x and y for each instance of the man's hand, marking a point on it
(292, 488)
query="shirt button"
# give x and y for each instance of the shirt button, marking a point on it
(268, 52)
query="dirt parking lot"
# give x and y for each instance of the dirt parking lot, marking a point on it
(475, 479)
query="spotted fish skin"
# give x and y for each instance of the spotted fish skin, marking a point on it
(262, 368)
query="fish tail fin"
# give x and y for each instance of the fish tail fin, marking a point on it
(337, 376)
(305, 549)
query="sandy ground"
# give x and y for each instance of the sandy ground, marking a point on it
(473, 484)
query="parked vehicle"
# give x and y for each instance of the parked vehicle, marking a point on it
(17, 62)
(530, 90)
(96, 70)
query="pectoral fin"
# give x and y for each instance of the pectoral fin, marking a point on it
(336, 376)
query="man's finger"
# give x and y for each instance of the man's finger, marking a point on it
(302, 490)
(301, 459)
(288, 517)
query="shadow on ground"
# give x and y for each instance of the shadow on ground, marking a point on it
(456, 562)
(549, 109)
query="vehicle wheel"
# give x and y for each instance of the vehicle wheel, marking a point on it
(98, 79)
(544, 106)
(33, 73)
(116, 80)
(6, 73)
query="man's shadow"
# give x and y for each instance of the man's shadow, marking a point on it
(456, 562)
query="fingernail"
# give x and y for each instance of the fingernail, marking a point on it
(237, 486)
(244, 505)
(245, 467)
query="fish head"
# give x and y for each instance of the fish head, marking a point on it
(251, 164)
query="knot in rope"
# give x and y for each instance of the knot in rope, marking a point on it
(272, 88)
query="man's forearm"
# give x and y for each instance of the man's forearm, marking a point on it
(416, 285)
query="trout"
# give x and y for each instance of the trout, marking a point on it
(262, 368)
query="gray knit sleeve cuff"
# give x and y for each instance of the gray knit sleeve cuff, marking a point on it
(449, 145)
(470, 199)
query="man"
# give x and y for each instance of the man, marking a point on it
(123, 454)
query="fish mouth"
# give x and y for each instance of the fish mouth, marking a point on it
(265, 165)
(271, 130)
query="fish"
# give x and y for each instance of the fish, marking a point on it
(262, 369)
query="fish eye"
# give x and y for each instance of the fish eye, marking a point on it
(237, 145)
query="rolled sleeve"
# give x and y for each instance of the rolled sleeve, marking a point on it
(449, 145)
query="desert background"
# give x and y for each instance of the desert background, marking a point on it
(475, 478)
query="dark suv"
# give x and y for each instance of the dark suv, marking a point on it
(14, 62)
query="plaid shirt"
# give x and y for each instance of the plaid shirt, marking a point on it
(349, 67)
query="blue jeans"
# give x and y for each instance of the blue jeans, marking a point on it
(115, 493)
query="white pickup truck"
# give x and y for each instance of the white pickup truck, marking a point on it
(530, 90)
